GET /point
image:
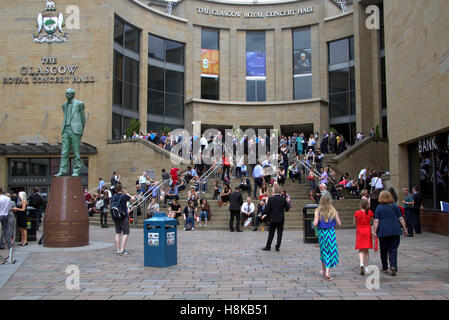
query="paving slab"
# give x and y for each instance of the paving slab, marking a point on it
(223, 266)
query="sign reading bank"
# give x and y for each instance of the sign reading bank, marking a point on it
(254, 14)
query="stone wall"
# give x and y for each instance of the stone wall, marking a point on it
(435, 222)
(417, 81)
(370, 152)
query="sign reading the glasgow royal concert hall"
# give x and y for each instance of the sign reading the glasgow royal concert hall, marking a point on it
(50, 72)
(254, 14)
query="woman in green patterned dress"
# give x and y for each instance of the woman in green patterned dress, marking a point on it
(326, 218)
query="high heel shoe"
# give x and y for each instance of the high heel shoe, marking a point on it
(24, 244)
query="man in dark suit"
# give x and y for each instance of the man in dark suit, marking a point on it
(235, 203)
(417, 202)
(275, 209)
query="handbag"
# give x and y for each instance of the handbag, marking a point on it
(376, 243)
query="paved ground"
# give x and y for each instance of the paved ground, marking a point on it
(223, 265)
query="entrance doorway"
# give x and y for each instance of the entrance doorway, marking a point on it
(289, 130)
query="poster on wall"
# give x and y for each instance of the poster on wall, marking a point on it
(210, 62)
(255, 64)
(302, 61)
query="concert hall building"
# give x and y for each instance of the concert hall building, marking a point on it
(292, 65)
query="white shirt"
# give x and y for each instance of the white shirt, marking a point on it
(376, 183)
(203, 141)
(362, 174)
(5, 205)
(247, 208)
(142, 179)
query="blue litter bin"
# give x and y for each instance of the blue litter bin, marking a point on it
(160, 247)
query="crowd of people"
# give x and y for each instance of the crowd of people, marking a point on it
(13, 210)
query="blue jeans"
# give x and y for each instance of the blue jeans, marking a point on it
(192, 220)
(203, 214)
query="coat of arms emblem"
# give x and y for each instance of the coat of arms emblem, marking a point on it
(49, 24)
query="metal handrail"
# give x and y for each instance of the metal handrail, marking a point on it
(310, 168)
(211, 170)
(146, 195)
(96, 188)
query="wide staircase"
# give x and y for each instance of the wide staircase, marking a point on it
(220, 215)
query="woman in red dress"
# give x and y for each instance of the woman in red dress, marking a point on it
(364, 240)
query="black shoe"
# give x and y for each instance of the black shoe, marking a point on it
(232, 230)
(393, 272)
(239, 230)
(255, 229)
(410, 235)
(266, 249)
(277, 249)
(2, 248)
(102, 226)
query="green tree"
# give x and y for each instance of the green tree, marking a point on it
(166, 130)
(377, 134)
(134, 126)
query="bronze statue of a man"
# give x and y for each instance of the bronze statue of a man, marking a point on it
(72, 131)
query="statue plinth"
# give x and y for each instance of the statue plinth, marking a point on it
(66, 222)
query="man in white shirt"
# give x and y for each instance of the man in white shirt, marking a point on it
(362, 177)
(143, 181)
(247, 210)
(5, 207)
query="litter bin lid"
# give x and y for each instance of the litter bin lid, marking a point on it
(309, 206)
(160, 217)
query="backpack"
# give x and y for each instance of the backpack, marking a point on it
(100, 204)
(117, 212)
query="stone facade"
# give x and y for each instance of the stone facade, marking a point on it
(417, 79)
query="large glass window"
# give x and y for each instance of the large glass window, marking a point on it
(429, 164)
(174, 52)
(210, 64)
(125, 91)
(342, 102)
(255, 66)
(383, 77)
(302, 64)
(126, 35)
(165, 83)
(156, 47)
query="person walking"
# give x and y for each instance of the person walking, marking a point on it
(258, 178)
(121, 197)
(326, 219)
(276, 206)
(364, 239)
(235, 203)
(387, 226)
